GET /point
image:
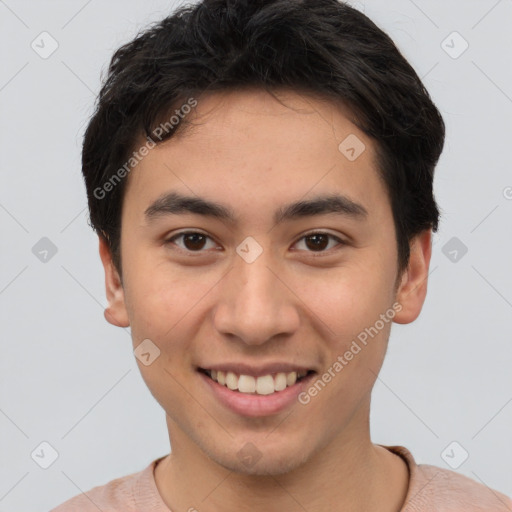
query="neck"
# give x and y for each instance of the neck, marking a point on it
(355, 475)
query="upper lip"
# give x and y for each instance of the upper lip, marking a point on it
(256, 371)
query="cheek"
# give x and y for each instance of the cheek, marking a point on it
(164, 304)
(356, 339)
(355, 344)
(348, 299)
(161, 309)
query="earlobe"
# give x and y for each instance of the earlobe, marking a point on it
(115, 313)
(412, 290)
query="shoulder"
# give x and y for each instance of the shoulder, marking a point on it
(118, 494)
(441, 490)
(450, 491)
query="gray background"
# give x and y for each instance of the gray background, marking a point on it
(70, 379)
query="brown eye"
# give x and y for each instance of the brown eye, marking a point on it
(192, 241)
(195, 241)
(318, 242)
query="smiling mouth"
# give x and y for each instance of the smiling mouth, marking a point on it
(262, 385)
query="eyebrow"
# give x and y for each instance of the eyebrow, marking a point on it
(173, 203)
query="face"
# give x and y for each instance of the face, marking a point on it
(258, 288)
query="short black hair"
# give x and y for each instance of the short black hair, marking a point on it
(321, 47)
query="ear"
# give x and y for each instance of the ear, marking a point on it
(115, 313)
(412, 290)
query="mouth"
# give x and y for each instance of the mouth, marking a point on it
(270, 384)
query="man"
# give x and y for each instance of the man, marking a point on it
(260, 177)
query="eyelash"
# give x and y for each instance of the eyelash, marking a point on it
(314, 253)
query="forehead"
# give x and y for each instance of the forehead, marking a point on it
(250, 145)
(225, 117)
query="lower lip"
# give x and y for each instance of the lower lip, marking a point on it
(256, 405)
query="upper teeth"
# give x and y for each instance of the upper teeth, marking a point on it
(264, 385)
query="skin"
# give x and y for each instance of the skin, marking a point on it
(254, 154)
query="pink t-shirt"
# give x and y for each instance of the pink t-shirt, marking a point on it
(431, 489)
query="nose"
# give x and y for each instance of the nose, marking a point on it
(255, 303)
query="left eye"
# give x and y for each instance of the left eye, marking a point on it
(319, 240)
(194, 241)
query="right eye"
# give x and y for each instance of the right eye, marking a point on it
(193, 241)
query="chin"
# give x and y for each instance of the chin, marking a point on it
(266, 461)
